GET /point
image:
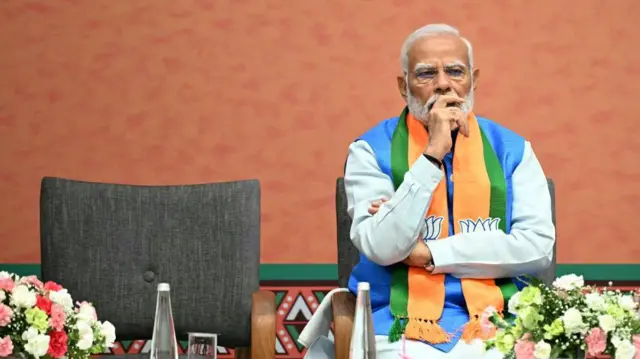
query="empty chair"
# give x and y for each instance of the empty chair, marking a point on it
(111, 244)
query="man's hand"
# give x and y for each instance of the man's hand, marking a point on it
(375, 206)
(444, 118)
(420, 255)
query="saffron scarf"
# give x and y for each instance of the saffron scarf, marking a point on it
(417, 296)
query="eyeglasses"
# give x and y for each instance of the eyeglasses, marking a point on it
(427, 74)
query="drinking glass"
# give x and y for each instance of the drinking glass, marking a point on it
(203, 346)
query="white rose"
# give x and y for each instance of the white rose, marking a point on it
(2, 296)
(626, 302)
(31, 332)
(572, 320)
(542, 350)
(595, 302)
(615, 340)
(625, 350)
(85, 333)
(607, 323)
(87, 313)
(568, 282)
(4, 275)
(108, 331)
(23, 297)
(37, 344)
(513, 303)
(63, 298)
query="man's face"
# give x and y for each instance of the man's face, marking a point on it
(438, 64)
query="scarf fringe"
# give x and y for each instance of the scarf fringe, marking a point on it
(473, 330)
(397, 329)
(426, 330)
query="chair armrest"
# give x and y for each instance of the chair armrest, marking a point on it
(344, 307)
(263, 325)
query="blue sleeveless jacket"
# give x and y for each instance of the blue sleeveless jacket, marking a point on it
(509, 148)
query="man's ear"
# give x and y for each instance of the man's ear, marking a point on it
(476, 78)
(402, 86)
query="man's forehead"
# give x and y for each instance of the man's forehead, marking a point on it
(438, 50)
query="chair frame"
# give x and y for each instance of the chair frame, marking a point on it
(263, 327)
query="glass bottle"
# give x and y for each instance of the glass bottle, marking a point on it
(363, 338)
(163, 341)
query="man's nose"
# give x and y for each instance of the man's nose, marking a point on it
(443, 85)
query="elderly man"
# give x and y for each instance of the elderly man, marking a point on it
(447, 207)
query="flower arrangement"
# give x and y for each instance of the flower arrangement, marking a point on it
(565, 320)
(40, 320)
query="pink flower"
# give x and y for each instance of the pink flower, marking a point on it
(636, 343)
(596, 341)
(58, 344)
(33, 280)
(6, 284)
(6, 346)
(57, 317)
(52, 286)
(86, 312)
(485, 320)
(5, 315)
(44, 304)
(524, 349)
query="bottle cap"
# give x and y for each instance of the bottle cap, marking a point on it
(363, 286)
(164, 287)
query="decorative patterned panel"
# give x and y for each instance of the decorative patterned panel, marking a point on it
(295, 306)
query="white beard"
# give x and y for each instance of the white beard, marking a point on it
(421, 110)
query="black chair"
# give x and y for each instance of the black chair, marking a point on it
(112, 244)
(348, 255)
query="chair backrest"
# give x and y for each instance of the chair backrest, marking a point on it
(348, 255)
(549, 274)
(112, 244)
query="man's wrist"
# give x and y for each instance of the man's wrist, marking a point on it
(433, 160)
(435, 153)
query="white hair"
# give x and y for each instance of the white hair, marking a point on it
(431, 30)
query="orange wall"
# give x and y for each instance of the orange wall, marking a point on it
(170, 92)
